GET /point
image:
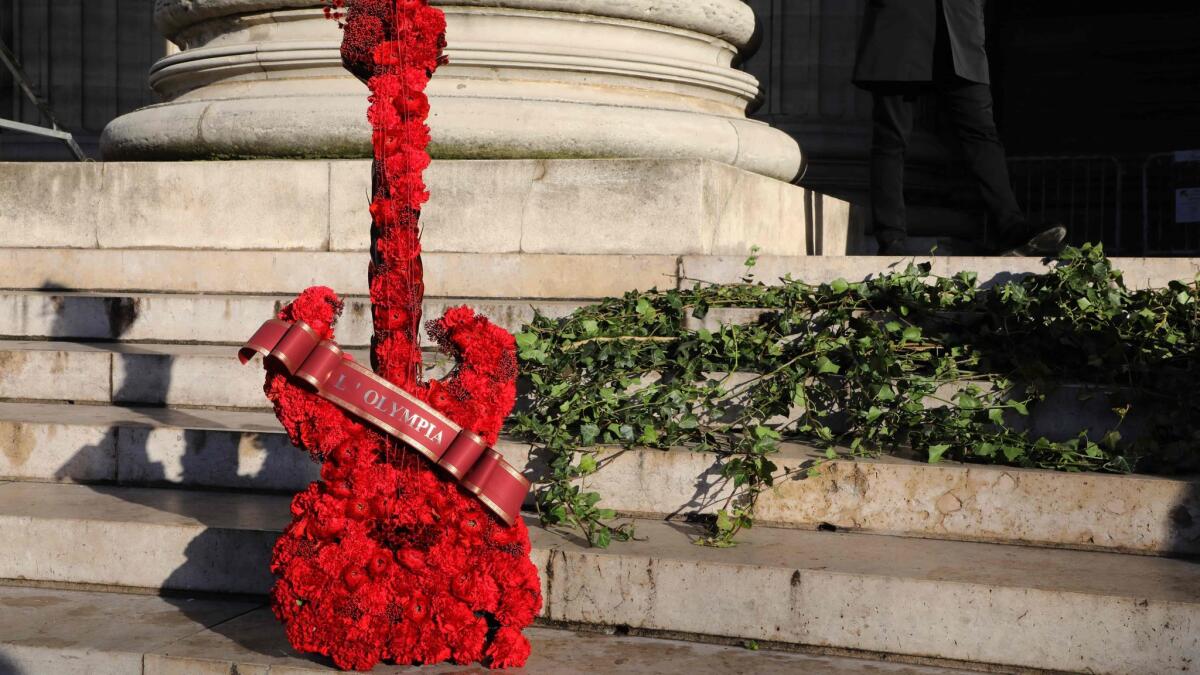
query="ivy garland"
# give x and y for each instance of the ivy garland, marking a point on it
(905, 362)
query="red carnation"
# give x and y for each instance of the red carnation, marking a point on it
(509, 649)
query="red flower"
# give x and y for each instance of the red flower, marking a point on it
(509, 649)
(354, 577)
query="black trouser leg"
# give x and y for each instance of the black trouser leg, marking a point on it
(970, 107)
(893, 120)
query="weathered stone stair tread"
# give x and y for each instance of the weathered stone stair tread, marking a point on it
(144, 349)
(211, 318)
(140, 446)
(215, 317)
(250, 421)
(1138, 272)
(1055, 609)
(467, 275)
(68, 632)
(143, 373)
(485, 275)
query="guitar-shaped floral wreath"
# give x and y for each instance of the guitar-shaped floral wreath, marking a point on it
(410, 548)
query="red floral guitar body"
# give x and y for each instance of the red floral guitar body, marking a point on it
(387, 557)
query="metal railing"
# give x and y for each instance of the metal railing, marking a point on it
(1171, 203)
(54, 130)
(1083, 192)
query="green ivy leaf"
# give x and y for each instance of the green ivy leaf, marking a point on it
(827, 367)
(649, 435)
(1012, 452)
(587, 465)
(936, 452)
(588, 433)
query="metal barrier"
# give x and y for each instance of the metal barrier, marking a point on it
(1084, 192)
(54, 131)
(1171, 203)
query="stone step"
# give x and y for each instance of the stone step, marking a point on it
(480, 275)
(447, 275)
(478, 206)
(968, 602)
(149, 374)
(225, 319)
(1138, 272)
(72, 632)
(185, 375)
(247, 450)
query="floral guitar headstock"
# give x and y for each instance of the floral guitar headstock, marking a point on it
(391, 556)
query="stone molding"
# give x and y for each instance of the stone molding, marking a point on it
(527, 79)
(730, 20)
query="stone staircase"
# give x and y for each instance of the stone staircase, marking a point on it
(143, 480)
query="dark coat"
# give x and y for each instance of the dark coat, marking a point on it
(899, 37)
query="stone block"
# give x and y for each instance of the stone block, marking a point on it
(546, 276)
(50, 204)
(187, 376)
(165, 205)
(54, 632)
(140, 538)
(231, 206)
(212, 458)
(58, 451)
(229, 319)
(610, 206)
(479, 205)
(447, 275)
(34, 370)
(182, 271)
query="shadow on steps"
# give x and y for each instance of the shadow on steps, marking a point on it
(213, 548)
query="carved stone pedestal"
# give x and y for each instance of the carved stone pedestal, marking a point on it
(527, 79)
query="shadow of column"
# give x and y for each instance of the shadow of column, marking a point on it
(1185, 523)
(9, 667)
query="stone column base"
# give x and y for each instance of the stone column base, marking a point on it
(527, 79)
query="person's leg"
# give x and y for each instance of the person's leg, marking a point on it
(969, 105)
(892, 123)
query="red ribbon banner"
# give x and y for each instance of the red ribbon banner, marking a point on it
(321, 365)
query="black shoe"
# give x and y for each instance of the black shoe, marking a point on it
(1041, 240)
(892, 247)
